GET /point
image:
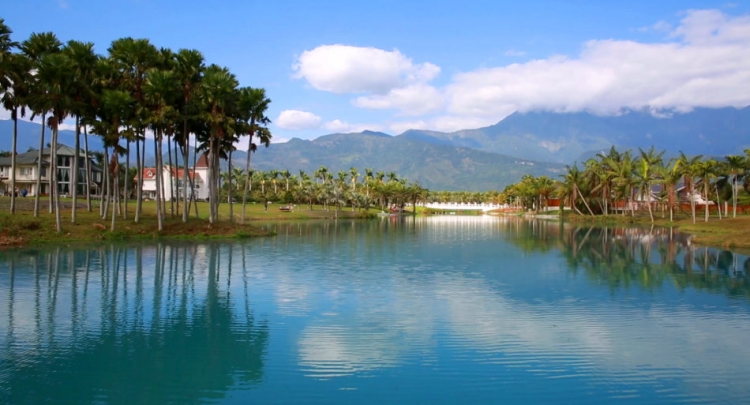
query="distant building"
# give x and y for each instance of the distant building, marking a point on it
(26, 172)
(174, 175)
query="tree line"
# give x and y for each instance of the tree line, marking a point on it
(629, 181)
(324, 187)
(135, 88)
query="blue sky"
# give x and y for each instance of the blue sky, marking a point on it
(332, 66)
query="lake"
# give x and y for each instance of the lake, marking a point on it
(438, 310)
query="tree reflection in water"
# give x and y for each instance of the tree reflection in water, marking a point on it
(126, 325)
(624, 257)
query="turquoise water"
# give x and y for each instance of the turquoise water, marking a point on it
(443, 310)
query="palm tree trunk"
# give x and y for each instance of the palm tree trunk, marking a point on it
(705, 190)
(140, 152)
(718, 201)
(159, 196)
(229, 189)
(584, 202)
(247, 173)
(192, 182)
(116, 196)
(88, 168)
(127, 174)
(39, 170)
(106, 194)
(734, 196)
(74, 171)
(13, 163)
(171, 183)
(185, 205)
(58, 220)
(211, 182)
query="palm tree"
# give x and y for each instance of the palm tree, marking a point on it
(706, 170)
(253, 104)
(84, 59)
(189, 68)
(573, 181)
(14, 99)
(735, 165)
(647, 162)
(217, 94)
(689, 167)
(160, 88)
(133, 58)
(35, 48)
(670, 175)
(354, 174)
(54, 77)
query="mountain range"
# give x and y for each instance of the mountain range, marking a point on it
(537, 143)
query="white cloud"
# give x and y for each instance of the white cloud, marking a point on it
(707, 65)
(350, 69)
(297, 120)
(337, 126)
(417, 99)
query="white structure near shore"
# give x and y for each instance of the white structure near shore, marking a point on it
(174, 175)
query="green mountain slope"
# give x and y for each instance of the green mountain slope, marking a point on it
(437, 167)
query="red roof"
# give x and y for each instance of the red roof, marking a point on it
(150, 173)
(202, 161)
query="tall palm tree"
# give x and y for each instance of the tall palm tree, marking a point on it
(646, 171)
(14, 99)
(54, 76)
(38, 45)
(133, 58)
(160, 88)
(689, 168)
(736, 166)
(706, 170)
(354, 174)
(84, 60)
(188, 68)
(253, 104)
(670, 174)
(217, 96)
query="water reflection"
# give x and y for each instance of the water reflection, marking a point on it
(125, 325)
(447, 309)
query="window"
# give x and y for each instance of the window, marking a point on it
(26, 171)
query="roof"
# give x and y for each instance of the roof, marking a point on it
(149, 173)
(27, 158)
(202, 161)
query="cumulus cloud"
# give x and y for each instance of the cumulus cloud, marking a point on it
(337, 126)
(417, 99)
(350, 69)
(707, 64)
(297, 120)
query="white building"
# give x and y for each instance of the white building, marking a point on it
(26, 172)
(174, 175)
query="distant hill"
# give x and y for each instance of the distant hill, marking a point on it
(485, 158)
(28, 136)
(437, 167)
(567, 137)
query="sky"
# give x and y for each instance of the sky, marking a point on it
(345, 66)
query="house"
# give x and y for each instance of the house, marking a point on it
(26, 172)
(174, 175)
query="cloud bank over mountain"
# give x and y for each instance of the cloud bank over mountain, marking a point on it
(702, 62)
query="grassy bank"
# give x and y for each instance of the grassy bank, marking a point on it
(22, 228)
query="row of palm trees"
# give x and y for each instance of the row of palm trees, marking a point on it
(626, 181)
(136, 88)
(345, 188)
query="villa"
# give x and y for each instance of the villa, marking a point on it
(26, 172)
(174, 175)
